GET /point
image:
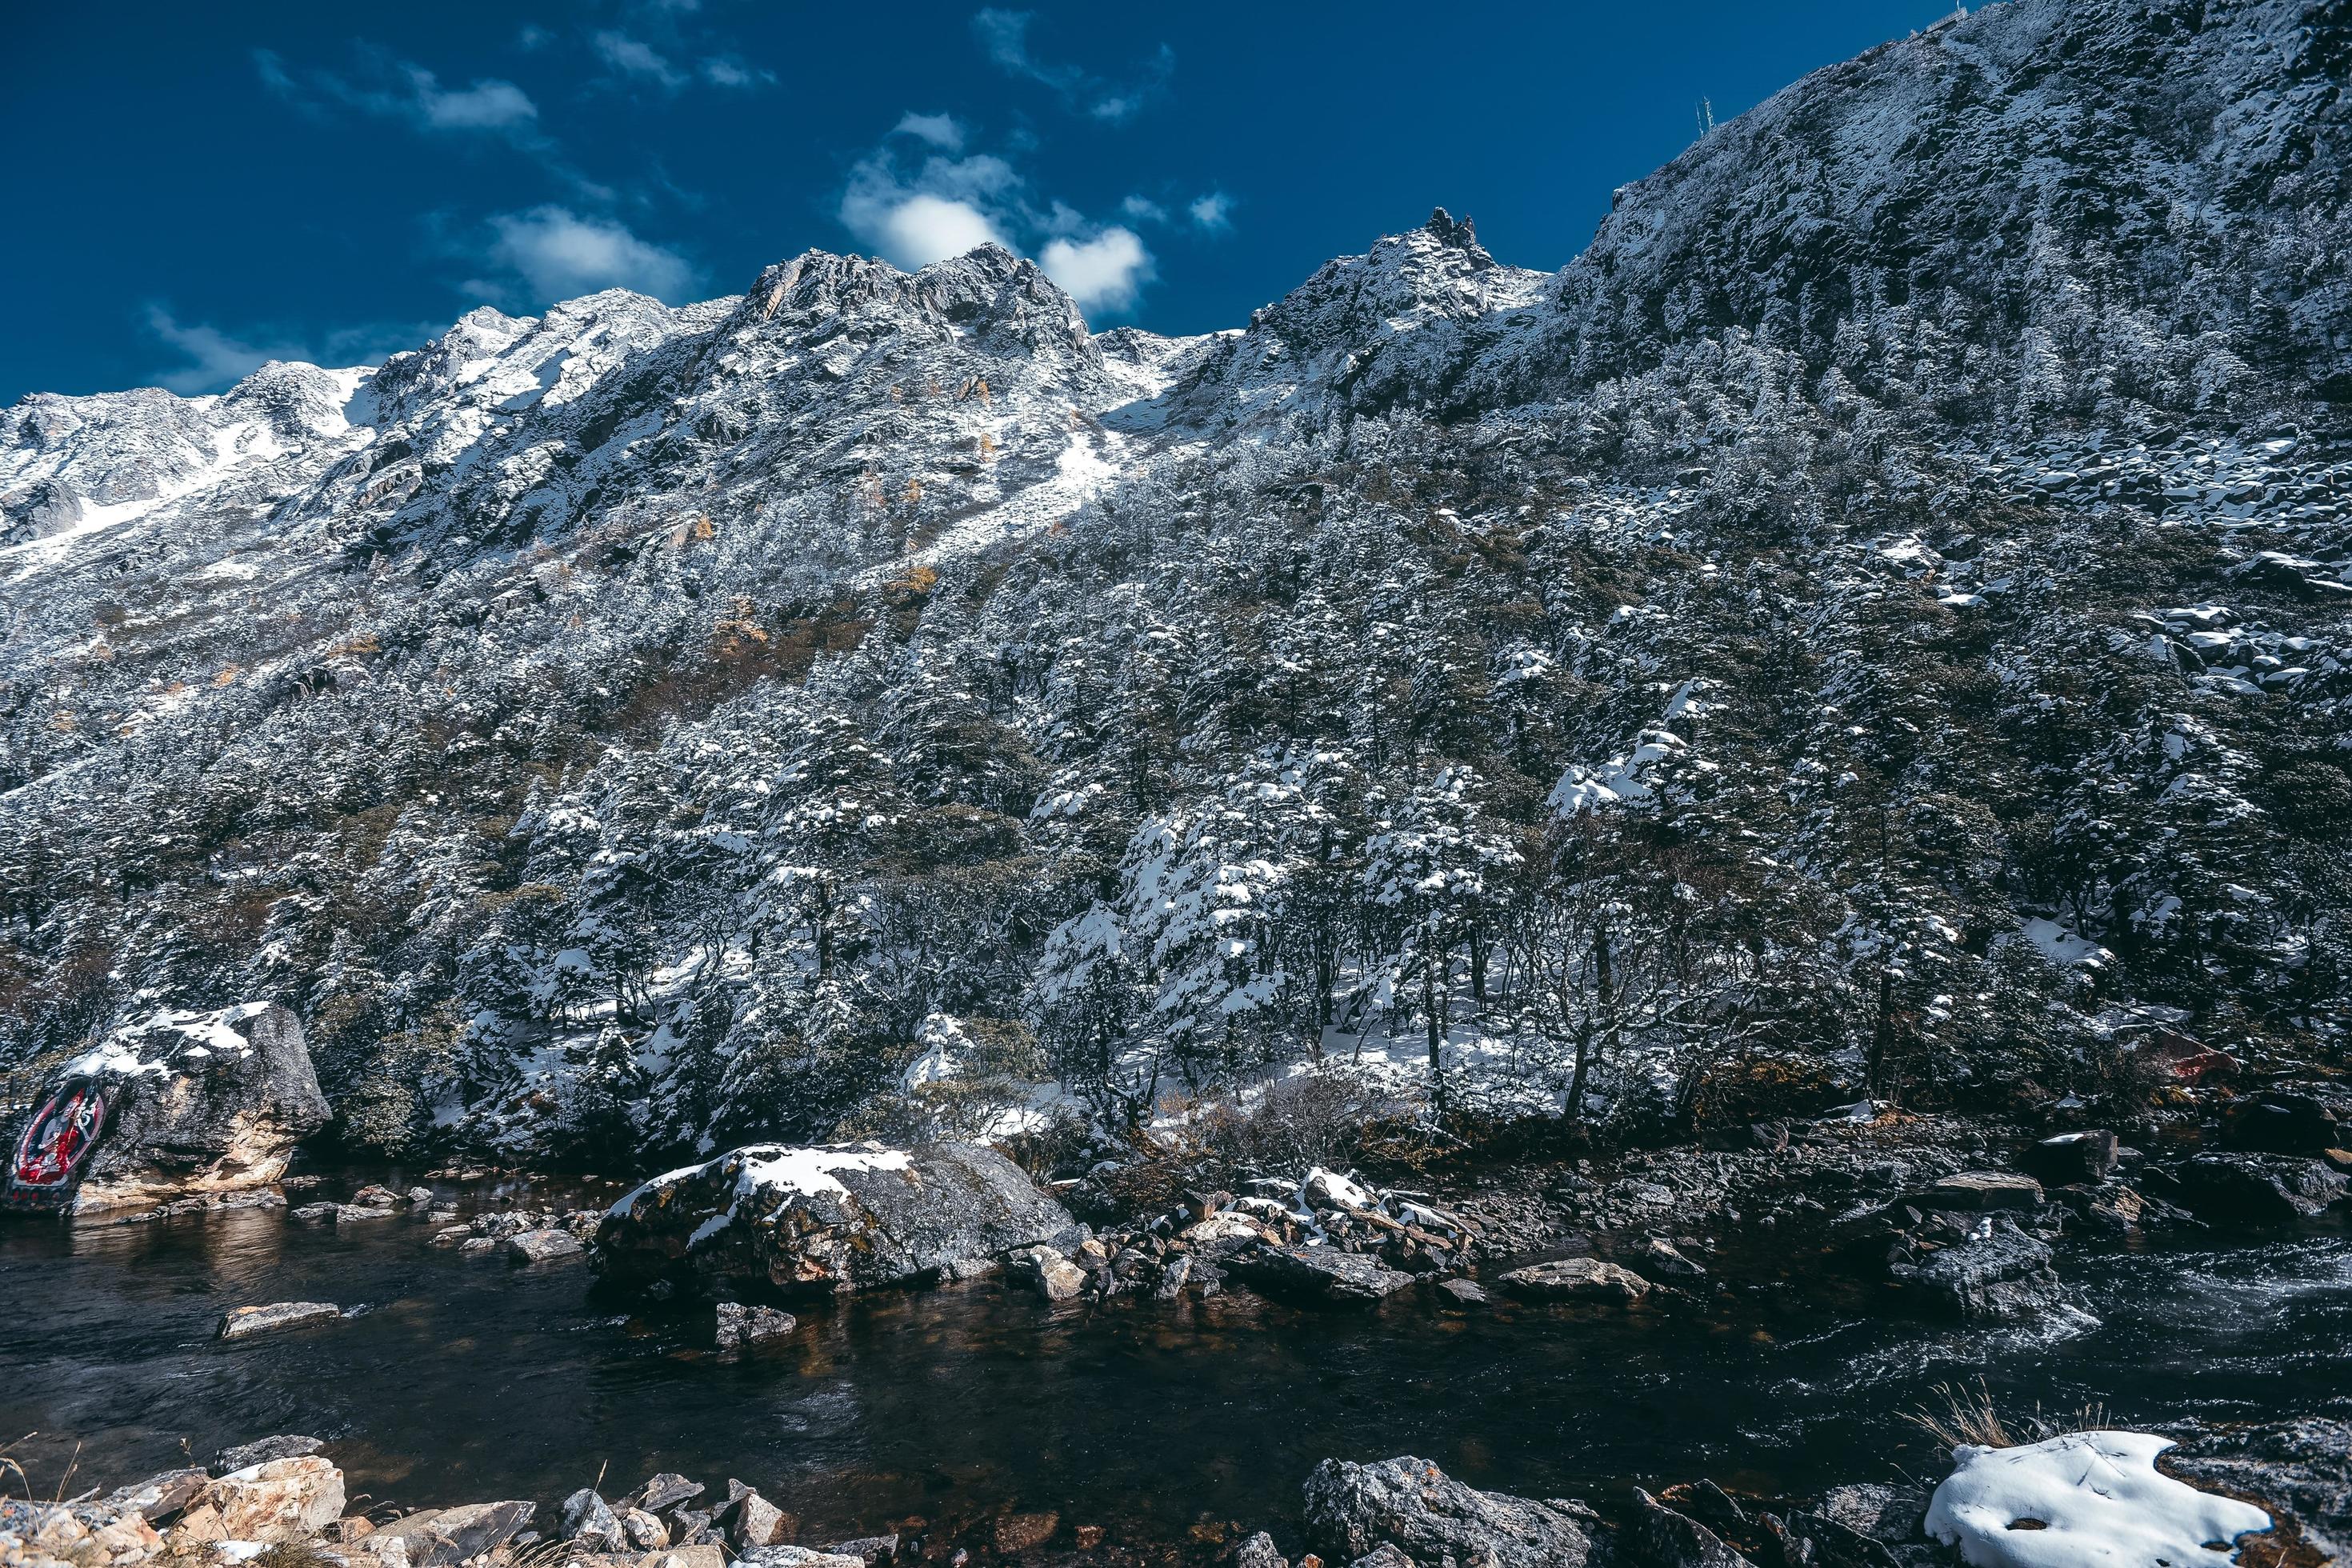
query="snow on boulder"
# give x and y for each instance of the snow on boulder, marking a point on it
(176, 1105)
(834, 1217)
(2088, 1500)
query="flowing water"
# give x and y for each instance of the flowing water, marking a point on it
(465, 1379)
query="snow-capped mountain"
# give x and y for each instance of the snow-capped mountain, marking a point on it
(1881, 610)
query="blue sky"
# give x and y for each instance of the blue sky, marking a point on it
(193, 188)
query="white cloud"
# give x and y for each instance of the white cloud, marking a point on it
(1144, 209)
(487, 105)
(923, 229)
(398, 90)
(1102, 273)
(941, 131)
(217, 359)
(635, 57)
(560, 254)
(1004, 34)
(727, 70)
(1214, 210)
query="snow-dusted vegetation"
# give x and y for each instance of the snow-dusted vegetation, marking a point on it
(1874, 625)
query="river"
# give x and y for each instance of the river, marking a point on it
(465, 1379)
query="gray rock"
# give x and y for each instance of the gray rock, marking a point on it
(421, 1197)
(1046, 1272)
(262, 1450)
(1322, 1274)
(2260, 1190)
(841, 1220)
(360, 1214)
(1659, 1537)
(2072, 1157)
(1258, 1552)
(162, 1495)
(315, 1212)
(1978, 1191)
(643, 1530)
(445, 1537)
(737, 1324)
(1999, 1274)
(542, 1245)
(665, 1491)
(586, 1520)
(2301, 1468)
(1172, 1276)
(1384, 1556)
(200, 1104)
(1412, 1506)
(1663, 1258)
(1576, 1279)
(753, 1521)
(1886, 1514)
(873, 1550)
(1466, 1292)
(375, 1195)
(243, 1322)
(797, 1557)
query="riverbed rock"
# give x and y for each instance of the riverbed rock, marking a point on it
(2255, 1189)
(1576, 1279)
(195, 1105)
(1997, 1274)
(2071, 1157)
(1464, 1292)
(542, 1245)
(275, 1498)
(2302, 1467)
(588, 1522)
(1980, 1191)
(2283, 1121)
(159, 1497)
(1046, 1272)
(1663, 1257)
(871, 1550)
(445, 1537)
(753, 1521)
(1319, 1274)
(1410, 1505)
(243, 1323)
(797, 1557)
(667, 1490)
(737, 1324)
(287, 1445)
(1662, 1537)
(843, 1218)
(1258, 1552)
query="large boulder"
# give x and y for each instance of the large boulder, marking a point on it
(1416, 1509)
(1997, 1274)
(1319, 1274)
(841, 1217)
(178, 1105)
(2257, 1190)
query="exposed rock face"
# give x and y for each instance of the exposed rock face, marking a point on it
(1415, 1508)
(193, 1104)
(840, 1218)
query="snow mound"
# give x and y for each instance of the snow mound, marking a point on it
(2096, 1500)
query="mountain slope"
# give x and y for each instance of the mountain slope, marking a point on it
(1874, 622)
